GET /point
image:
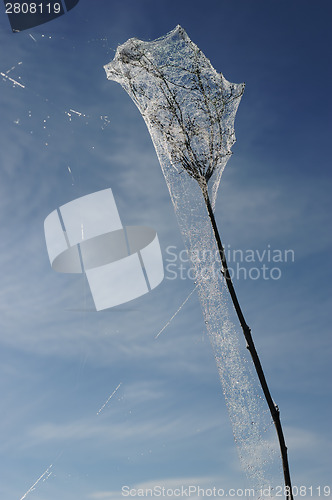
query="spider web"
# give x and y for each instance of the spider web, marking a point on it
(189, 110)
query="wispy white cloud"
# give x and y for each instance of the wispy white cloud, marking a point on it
(304, 439)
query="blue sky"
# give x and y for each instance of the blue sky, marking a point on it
(167, 423)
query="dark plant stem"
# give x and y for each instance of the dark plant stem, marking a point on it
(274, 410)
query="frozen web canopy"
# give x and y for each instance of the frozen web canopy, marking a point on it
(188, 107)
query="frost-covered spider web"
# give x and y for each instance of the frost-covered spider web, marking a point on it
(251, 421)
(189, 110)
